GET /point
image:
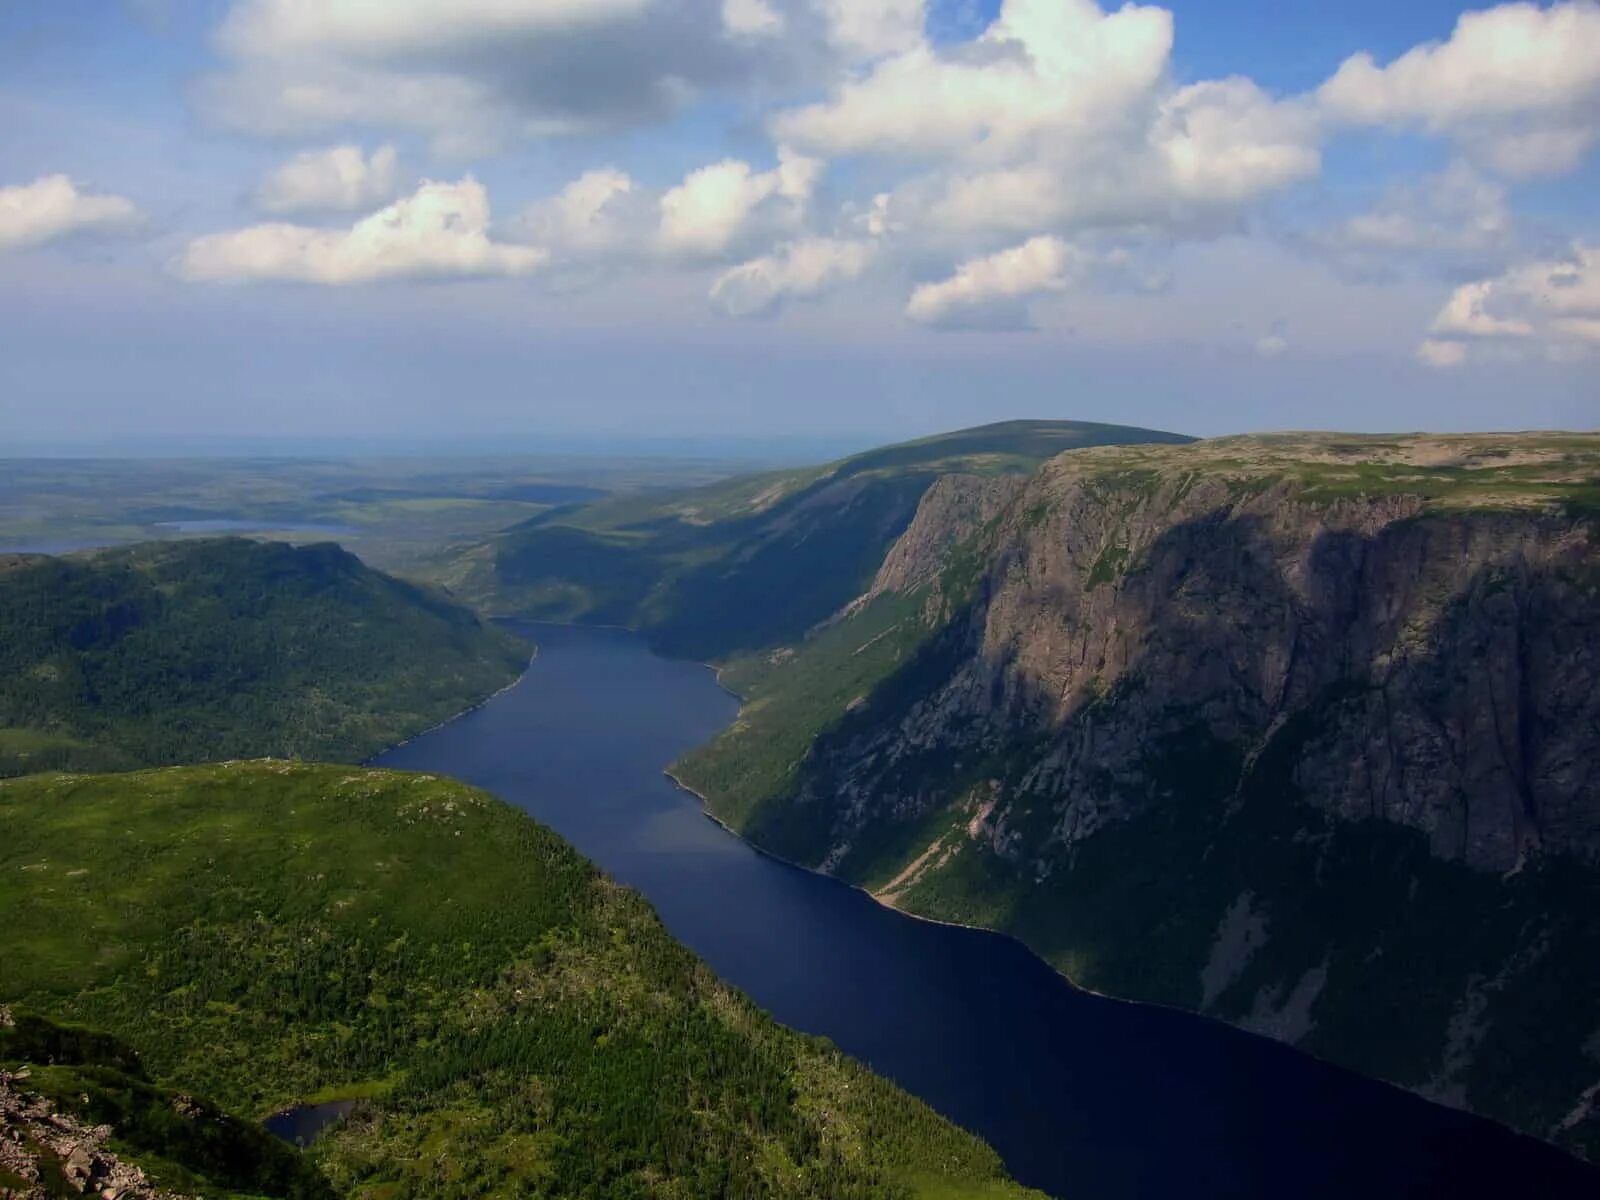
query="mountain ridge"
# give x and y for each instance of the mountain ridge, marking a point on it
(982, 745)
(729, 567)
(224, 648)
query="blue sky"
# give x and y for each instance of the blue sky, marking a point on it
(593, 219)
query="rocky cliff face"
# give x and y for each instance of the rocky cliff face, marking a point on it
(1302, 733)
(1453, 658)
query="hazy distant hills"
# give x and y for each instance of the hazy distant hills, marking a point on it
(733, 566)
(1298, 731)
(228, 648)
(510, 1021)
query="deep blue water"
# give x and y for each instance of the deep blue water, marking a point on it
(1083, 1097)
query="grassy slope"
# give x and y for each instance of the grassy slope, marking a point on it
(264, 933)
(1136, 912)
(750, 562)
(224, 648)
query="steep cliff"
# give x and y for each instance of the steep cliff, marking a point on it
(725, 569)
(1303, 732)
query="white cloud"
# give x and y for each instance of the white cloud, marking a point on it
(598, 213)
(1551, 305)
(707, 214)
(1043, 66)
(986, 291)
(438, 232)
(1227, 141)
(1466, 314)
(798, 270)
(751, 18)
(52, 207)
(1434, 353)
(338, 179)
(1060, 117)
(476, 75)
(867, 29)
(1517, 85)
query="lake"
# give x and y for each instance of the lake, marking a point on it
(200, 527)
(1082, 1096)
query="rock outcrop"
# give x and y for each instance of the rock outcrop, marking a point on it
(1303, 732)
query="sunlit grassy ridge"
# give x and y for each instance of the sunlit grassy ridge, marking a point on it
(267, 932)
(1445, 471)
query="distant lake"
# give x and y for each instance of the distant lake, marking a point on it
(200, 526)
(1083, 1097)
(233, 525)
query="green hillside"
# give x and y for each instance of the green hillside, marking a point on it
(724, 569)
(227, 648)
(512, 1022)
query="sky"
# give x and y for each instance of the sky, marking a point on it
(610, 221)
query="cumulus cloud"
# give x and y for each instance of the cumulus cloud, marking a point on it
(803, 270)
(338, 179)
(441, 231)
(52, 207)
(871, 30)
(1061, 117)
(477, 74)
(988, 292)
(1518, 86)
(706, 214)
(1042, 66)
(751, 18)
(1551, 305)
(599, 213)
(1013, 161)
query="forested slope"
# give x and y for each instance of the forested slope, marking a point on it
(227, 648)
(513, 1022)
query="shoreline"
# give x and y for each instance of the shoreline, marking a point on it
(453, 717)
(704, 808)
(1107, 996)
(703, 804)
(706, 812)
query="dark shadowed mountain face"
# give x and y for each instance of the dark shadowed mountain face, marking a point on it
(228, 648)
(735, 566)
(1299, 732)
